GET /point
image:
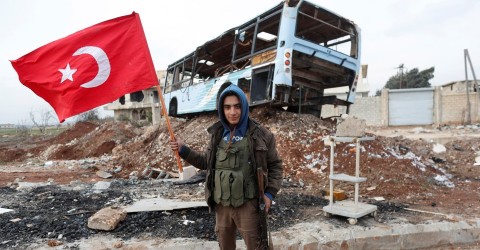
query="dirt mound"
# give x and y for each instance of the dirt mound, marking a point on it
(396, 168)
(78, 130)
(89, 140)
(404, 172)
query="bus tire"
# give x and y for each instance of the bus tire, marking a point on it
(172, 109)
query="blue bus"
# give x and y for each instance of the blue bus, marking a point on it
(284, 57)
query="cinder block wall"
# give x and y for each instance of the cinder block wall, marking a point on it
(453, 108)
(369, 109)
(449, 108)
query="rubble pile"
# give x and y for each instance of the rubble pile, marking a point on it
(93, 166)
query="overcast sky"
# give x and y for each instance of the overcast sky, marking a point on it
(418, 33)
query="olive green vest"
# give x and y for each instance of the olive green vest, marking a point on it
(234, 176)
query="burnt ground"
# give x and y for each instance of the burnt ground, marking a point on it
(407, 173)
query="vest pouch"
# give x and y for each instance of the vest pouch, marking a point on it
(237, 189)
(221, 155)
(225, 180)
(234, 158)
(217, 189)
(227, 159)
(250, 189)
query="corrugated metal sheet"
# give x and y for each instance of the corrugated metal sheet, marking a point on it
(410, 107)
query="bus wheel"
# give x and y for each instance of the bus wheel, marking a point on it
(172, 109)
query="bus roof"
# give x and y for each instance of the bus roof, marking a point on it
(219, 49)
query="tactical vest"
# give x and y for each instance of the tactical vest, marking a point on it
(234, 176)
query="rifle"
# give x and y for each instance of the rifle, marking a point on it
(266, 237)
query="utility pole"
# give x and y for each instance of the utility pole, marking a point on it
(467, 87)
(474, 79)
(400, 67)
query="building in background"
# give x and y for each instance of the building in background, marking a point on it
(459, 87)
(140, 106)
(363, 88)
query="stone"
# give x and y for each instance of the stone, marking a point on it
(118, 244)
(101, 185)
(31, 185)
(103, 174)
(107, 219)
(15, 220)
(5, 210)
(48, 164)
(54, 243)
(439, 148)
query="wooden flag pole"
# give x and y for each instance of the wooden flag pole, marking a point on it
(172, 136)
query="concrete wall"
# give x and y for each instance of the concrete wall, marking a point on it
(367, 108)
(448, 108)
(453, 108)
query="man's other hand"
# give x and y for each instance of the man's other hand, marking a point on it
(268, 203)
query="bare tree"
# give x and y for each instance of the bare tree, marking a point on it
(91, 116)
(22, 128)
(41, 121)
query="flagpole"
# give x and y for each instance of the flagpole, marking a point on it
(172, 136)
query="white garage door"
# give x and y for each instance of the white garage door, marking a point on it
(410, 107)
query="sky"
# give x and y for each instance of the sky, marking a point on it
(417, 33)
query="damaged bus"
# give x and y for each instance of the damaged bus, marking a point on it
(285, 57)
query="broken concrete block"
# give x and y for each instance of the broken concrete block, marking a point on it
(161, 204)
(31, 185)
(5, 210)
(107, 219)
(187, 173)
(351, 127)
(101, 185)
(103, 174)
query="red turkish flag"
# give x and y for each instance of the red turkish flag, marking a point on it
(91, 67)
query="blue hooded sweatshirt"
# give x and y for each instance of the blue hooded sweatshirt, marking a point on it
(242, 126)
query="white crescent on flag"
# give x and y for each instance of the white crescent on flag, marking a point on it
(103, 65)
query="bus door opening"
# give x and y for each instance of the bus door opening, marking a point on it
(245, 85)
(261, 85)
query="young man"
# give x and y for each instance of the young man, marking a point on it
(239, 148)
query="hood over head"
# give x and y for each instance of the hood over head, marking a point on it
(241, 129)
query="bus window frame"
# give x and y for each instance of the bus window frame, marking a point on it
(340, 20)
(255, 25)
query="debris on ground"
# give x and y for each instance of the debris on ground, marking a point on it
(51, 185)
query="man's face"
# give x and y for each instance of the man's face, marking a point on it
(232, 109)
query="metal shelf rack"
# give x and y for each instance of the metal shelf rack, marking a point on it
(347, 208)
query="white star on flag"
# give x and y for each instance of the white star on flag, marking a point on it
(67, 73)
